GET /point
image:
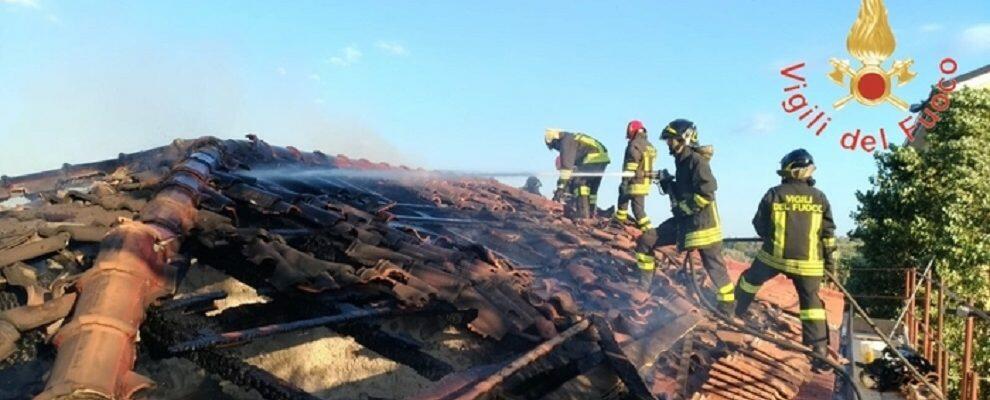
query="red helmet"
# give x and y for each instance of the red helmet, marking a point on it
(633, 128)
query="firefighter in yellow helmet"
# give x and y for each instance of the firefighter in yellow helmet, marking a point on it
(695, 224)
(582, 154)
(794, 219)
(637, 168)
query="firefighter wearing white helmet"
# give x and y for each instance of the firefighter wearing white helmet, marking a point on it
(583, 154)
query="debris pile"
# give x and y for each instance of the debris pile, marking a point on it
(100, 264)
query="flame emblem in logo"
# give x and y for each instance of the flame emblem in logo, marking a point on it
(871, 41)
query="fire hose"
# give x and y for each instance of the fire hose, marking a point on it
(910, 300)
(862, 313)
(689, 265)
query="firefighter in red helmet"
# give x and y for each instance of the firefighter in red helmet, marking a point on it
(637, 171)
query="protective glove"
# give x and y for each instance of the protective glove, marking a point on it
(665, 181)
(558, 195)
(682, 209)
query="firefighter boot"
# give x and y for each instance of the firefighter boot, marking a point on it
(621, 216)
(727, 307)
(582, 195)
(646, 264)
(818, 365)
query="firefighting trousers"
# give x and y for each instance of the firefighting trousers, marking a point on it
(814, 332)
(585, 189)
(638, 209)
(670, 232)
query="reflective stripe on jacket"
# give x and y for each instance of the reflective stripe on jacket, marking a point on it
(594, 151)
(639, 158)
(578, 149)
(795, 221)
(694, 191)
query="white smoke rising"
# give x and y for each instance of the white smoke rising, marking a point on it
(81, 108)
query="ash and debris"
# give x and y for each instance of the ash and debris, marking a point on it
(472, 273)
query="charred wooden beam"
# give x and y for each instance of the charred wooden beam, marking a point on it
(492, 382)
(304, 305)
(164, 327)
(192, 300)
(546, 381)
(247, 335)
(397, 349)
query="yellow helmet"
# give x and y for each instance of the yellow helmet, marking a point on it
(550, 135)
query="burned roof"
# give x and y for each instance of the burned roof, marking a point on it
(118, 263)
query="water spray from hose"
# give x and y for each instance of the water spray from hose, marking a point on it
(400, 174)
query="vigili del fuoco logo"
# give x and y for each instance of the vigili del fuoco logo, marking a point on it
(871, 42)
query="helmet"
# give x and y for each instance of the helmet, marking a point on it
(550, 135)
(533, 181)
(681, 129)
(798, 164)
(633, 128)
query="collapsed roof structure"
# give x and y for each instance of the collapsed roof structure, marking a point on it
(115, 265)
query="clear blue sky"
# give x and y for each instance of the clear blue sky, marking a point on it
(456, 85)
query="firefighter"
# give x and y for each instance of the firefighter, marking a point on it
(532, 185)
(583, 154)
(637, 168)
(695, 224)
(794, 220)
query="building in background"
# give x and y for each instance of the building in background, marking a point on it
(975, 79)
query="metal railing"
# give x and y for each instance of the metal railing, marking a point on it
(925, 332)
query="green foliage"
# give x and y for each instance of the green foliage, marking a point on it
(743, 252)
(933, 202)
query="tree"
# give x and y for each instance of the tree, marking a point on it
(934, 202)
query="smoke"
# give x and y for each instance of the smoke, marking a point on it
(91, 104)
(301, 122)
